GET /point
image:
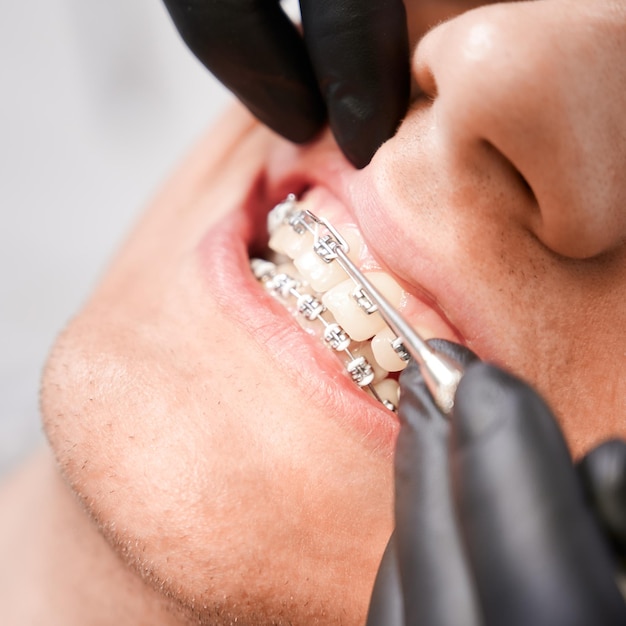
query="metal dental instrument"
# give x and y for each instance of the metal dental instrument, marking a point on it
(441, 374)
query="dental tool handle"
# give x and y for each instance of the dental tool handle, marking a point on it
(441, 374)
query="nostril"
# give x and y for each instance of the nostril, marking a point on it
(514, 179)
(422, 75)
(524, 184)
(497, 81)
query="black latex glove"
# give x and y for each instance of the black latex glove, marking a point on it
(352, 62)
(492, 527)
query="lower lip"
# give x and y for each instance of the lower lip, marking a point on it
(299, 358)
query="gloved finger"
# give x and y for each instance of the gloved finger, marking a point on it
(386, 604)
(360, 52)
(436, 585)
(537, 556)
(253, 48)
(603, 476)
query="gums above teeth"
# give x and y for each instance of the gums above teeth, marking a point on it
(326, 302)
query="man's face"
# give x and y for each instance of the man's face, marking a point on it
(224, 451)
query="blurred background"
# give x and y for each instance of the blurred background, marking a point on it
(98, 101)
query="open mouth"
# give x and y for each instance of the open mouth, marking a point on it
(299, 270)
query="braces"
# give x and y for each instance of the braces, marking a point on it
(307, 305)
(326, 241)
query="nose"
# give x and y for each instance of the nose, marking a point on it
(544, 85)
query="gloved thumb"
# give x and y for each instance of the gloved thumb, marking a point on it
(603, 476)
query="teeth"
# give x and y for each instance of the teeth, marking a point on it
(384, 353)
(336, 337)
(309, 306)
(280, 212)
(361, 371)
(262, 269)
(285, 240)
(359, 324)
(323, 276)
(365, 350)
(388, 390)
(326, 303)
(289, 269)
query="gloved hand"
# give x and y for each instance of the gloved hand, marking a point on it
(352, 61)
(492, 526)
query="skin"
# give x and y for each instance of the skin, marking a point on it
(200, 479)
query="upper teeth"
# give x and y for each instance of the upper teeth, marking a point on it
(320, 274)
(344, 302)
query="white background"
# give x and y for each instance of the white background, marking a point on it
(98, 100)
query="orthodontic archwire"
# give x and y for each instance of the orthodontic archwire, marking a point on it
(441, 374)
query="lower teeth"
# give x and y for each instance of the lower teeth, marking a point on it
(306, 305)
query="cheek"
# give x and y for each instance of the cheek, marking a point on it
(555, 325)
(195, 459)
(181, 438)
(550, 320)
